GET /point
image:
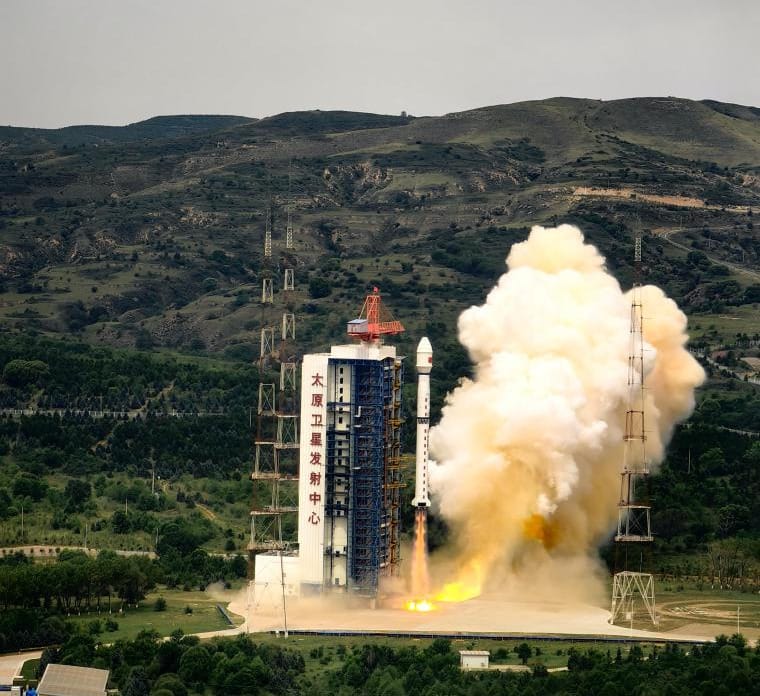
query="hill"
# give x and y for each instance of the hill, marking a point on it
(151, 234)
(145, 245)
(158, 127)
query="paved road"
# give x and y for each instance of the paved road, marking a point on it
(667, 236)
(10, 665)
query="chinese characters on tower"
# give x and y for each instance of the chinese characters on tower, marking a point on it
(316, 442)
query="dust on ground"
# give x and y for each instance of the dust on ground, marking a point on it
(484, 614)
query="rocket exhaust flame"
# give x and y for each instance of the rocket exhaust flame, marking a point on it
(529, 451)
(420, 573)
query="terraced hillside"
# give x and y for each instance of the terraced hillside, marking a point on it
(151, 235)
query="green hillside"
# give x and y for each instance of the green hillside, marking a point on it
(151, 234)
(143, 247)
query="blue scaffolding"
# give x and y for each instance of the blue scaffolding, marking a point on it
(362, 477)
(365, 513)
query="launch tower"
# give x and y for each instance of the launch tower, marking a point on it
(348, 531)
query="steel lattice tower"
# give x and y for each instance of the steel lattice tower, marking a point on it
(276, 440)
(634, 529)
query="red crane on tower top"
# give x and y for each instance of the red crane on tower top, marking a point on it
(374, 320)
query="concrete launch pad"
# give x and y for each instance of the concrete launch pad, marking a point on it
(483, 615)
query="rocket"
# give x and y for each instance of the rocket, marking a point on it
(424, 365)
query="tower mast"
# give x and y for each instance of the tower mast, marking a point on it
(276, 440)
(634, 529)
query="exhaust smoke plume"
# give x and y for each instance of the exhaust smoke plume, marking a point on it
(529, 451)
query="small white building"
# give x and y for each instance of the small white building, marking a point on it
(474, 659)
(275, 575)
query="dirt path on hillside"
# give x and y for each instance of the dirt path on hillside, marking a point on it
(206, 512)
(656, 199)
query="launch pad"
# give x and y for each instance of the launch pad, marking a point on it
(483, 616)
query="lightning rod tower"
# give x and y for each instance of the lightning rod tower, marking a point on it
(276, 440)
(634, 531)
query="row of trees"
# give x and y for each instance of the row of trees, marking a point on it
(67, 375)
(182, 665)
(76, 582)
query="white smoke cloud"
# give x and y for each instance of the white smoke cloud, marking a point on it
(529, 452)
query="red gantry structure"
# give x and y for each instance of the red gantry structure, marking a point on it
(374, 320)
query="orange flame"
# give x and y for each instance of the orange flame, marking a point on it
(539, 528)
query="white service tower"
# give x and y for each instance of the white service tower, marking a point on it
(424, 365)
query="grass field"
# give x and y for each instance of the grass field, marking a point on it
(204, 617)
(29, 670)
(734, 320)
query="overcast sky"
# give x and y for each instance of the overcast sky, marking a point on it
(66, 62)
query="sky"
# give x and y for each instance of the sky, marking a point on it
(65, 62)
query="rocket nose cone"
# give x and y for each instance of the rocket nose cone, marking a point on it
(424, 356)
(424, 345)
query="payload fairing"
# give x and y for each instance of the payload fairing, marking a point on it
(424, 365)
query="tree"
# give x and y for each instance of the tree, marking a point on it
(524, 652)
(48, 655)
(137, 683)
(318, 287)
(26, 486)
(77, 493)
(171, 683)
(120, 522)
(195, 665)
(21, 373)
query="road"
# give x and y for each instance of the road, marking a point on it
(667, 235)
(10, 665)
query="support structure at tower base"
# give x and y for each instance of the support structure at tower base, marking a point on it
(626, 586)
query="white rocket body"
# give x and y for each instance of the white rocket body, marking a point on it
(424, 365)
